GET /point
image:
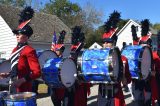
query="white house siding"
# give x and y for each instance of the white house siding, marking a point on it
(95, 45)
(7, 40)
(125, 34)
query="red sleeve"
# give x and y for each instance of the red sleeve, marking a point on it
(34, 65)
(156, 62)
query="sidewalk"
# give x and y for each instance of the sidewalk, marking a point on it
(92, 99)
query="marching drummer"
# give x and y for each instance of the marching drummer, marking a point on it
(57, 95)
(111, 94)
(24, 62)
(80, 89)
(134, 35)
(140, 85)
(155, 78)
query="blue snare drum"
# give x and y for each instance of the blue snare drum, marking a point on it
(139, 60)
(100, 65)
(58, 72)
(3, 94)
(44, 55)
(21, 99)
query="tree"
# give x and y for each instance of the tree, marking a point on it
(96, 35)
(6, 2)
(18, 3)
(121, 24)
(156, 26)
(68, 12)
(91, 16)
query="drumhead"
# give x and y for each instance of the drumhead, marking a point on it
(44, 56)
(146, 62)
(115, 63)
(68, 72)
(5, 67)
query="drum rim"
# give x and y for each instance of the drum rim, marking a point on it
(79, 61)
(140, 56)
(61, 85)
(143, 48)
(41, 65)
(119, 60)
(47, 51)
(79, 64)
(59, 78)
(9, 98)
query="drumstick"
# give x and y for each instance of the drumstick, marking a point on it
(124, 62)
(10, 82)
(124, 78)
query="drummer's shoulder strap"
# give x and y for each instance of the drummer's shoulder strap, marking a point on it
(14, 61)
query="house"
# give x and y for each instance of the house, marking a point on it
(43, 27)
(125, 34)
(95, 45)
(7, 40)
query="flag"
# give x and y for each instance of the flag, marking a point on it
(54, 41)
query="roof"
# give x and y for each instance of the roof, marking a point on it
(43, 24)
(130, 21)
(95, 45)
(153, 31)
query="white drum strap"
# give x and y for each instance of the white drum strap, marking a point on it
(14, 59)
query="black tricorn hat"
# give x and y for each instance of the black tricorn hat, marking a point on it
(26, 30)
(25, 17)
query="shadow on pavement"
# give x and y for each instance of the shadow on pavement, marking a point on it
(93, 103)
(42, 95)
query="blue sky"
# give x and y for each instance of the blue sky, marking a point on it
(130, 9)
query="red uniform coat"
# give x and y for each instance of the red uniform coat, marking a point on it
(80, 94)
(119, 97)
(136, 42)
(28, 65)
(154, 86)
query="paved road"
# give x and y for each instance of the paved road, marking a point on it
(92, 99)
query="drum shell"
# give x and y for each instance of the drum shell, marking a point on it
(51, 72)
(10, 100)
(59, 72)
(44, 55)
(3, 94)
(134, 55)
(95, 65)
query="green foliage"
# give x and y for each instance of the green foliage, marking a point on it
(61, 8)
(156, 26)
(18, 3)
(121, 24)
(96, 35)
(6, 2)
(68, 12)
